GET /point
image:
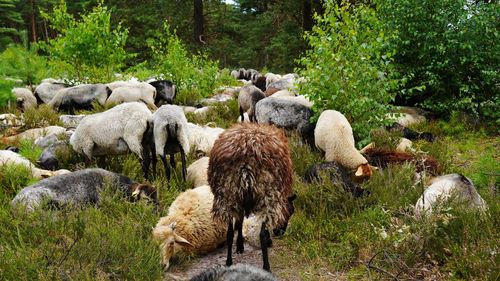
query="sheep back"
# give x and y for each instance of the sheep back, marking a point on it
(197, 172)
(173, 116)
(238, 272)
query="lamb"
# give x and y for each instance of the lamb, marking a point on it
(165, 91)
(25, 98)
(446, 188)
(189, 226)
(202, 138)
(46, 91)
(382, 157)
(338, 175)
(141, 91)
(286, 114)
(8, 157)
(333, 135)
(171, 135)
(80, 188)
(197, 172)
(248, 97)
(250, 171)
(116, 131)
(239, 272)
(80, 97)
(37, 133)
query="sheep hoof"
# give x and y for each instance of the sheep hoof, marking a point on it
(239, 250)
(229, 262)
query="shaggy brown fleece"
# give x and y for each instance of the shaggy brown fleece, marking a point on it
(382, 157)
(250, 171)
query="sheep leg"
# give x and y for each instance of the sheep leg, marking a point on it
(165, 165)
(264, 236)
(146, 160)
(230, 237)
(242, 115)
(172, 160)
(239, 241)
(184, 169)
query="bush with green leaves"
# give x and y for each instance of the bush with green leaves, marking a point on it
(88, 50)
(20, 62)
(348, 67)
(448, 53)
(6, 91)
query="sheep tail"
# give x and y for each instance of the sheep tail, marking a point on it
(247, 183)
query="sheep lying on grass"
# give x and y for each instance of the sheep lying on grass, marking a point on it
(446, 188)
(189, 226)
(8, 157)
(36, 133)
(239, 272)
(80, 188)
(197, 172)
(250, 171)
(382, 157)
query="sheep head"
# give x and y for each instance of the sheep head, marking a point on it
(144, 192)
(364, 171)
(170, 242)
(280, 230)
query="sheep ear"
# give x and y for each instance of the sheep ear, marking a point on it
(181, 241)
(359, 171)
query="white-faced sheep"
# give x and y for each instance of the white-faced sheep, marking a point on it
(46, 91)
(116, 131)
(447, 188)
(202, 138)
(248, 97)
(189, 226)
(197, 172)
(333, 135)
(238, 272)
(171, 135)
(37, 133)
(80, 188)
(141, 92)
(250, 171)
(24, 98)
(80, 97)
(8, 157)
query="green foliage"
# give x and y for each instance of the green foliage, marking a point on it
(6, 91)
(88, 50)
(9, 17)
(23, 63)
(42, 116)
(12, 179)
(29, 150)
(447, 51)
(348, 67)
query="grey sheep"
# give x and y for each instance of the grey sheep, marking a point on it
(80, 97)
(249, 95)
(80, 188)
(239, 272)
(24, 98)
(49, 158)
(48, 90)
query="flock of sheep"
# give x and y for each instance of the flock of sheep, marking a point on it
(243, 184)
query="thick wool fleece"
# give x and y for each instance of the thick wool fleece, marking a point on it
(250, 171)
(192, 217)
(114, 131)
(173, 116)
(248, 96)
(444, 188)
(142, 92)
(197, 172)
(283, 113)
(203, 138)
(238, 272)
(333, 135)
(25, 97)
(83, 94)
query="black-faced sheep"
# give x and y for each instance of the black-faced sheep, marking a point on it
(189, 226)
(333, 135)
(260, 83)
(80, 97)
(24, 98)
(171, 135)
(250, 171)
(338, 175)
(165, 91)
(116, 131)
(248, 97)
(46, 91)
(238, 272)
(446, 188)
(80, 188)
(139, 91)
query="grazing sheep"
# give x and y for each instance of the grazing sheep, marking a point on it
(71, 121)
(8, 157)
(248, 97)
(165, 91)
(37, 133)
(80, 188)
(189, 226)
(338, 175)
(142, 92)
(250, 171)
(382, 157)
(171, 135)
(238, 272)
(116, 131)
(333, 135)
(80, 97)
(197, 172)
(202, 138)
(271, 78)
(446, 188)
(286, 114)
(116, 84)
(46, 91)
(245, 118)
(25, 98)
(49, 157)
(202, 111)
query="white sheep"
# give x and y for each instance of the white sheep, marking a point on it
(333, 135)
(271, 78)
(189, 226)
(115, 131)
(297, 99)
(197, 172)
(446, 188)
(8, 157)
(47, 90)
(141, 91)
(37, 133)
(171, 135)
(249, 95)
(202, 138)
(25, 98)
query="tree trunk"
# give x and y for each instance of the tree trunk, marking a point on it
(307, 16)
(33, 22)
(198, 21)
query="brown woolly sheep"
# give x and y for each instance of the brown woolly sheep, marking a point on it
(382, 157)
(250, 171)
